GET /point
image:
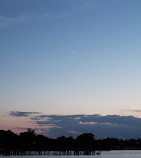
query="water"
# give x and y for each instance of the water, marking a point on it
(104, 154)
(121, 154)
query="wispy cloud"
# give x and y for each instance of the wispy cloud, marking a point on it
(25, 18)
(5, 21)
(135, 111)
(22, 114)
(84, 4)
(87, 123)
(74, 132)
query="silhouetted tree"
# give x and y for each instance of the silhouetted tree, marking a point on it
(85, 141)
(28, 138)
(30, 141)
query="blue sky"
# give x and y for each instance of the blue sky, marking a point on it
(70, 56)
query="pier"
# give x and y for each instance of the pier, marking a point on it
(44, 152)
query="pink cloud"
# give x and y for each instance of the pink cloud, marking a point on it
(106, 123)
(87, 123)
(73, 132)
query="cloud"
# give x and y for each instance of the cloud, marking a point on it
(73, 132)
(5, 21)
(87, 123)
(83, 5)
(138, 111)
(41, 117)
(101, 126)
(43, 12)
(22, 114)
(73, 125)
(25, 18)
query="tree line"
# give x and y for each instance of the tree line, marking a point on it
(30, 141)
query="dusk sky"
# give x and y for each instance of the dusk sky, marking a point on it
(69, 58)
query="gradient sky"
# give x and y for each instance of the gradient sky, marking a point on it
(70, 57)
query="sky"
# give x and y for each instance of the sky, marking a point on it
(69, 58)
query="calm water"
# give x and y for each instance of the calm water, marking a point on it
(104, 154)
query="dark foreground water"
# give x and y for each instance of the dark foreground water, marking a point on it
(104, 154)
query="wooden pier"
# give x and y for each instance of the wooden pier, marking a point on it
(20, 152)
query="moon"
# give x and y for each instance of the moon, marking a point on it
(73, 52)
